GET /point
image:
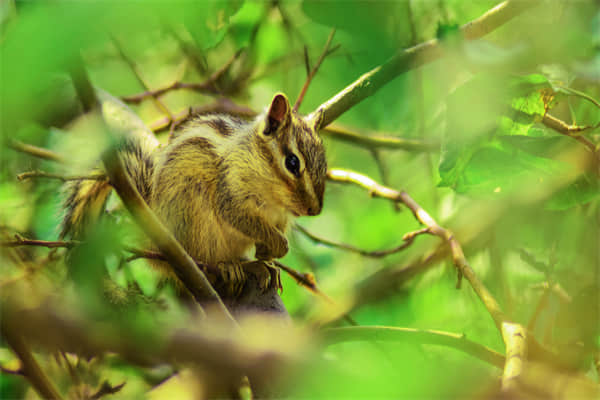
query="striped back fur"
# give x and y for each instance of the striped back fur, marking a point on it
(85, 200)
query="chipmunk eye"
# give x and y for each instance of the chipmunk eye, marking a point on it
(292, 164)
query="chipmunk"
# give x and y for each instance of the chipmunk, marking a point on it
(222, 185)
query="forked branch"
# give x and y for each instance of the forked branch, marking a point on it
(458, 257)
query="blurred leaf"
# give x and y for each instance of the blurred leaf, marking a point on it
(383, 22)
(208, 21)
(496, 145)
(494, 167)
(582, 191)
(245, 21)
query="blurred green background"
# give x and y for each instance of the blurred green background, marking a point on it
(509, 186)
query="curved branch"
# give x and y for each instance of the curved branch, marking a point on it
(425, 336)
(183, 265)
(414, 57)
(458, 257)
(408, 239)
(30, 367)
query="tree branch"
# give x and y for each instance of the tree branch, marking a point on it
(408, 239)
(414, 57)
(314, 70)
(458, 257)
(35, 151)
(569, 130)
(515, 339)
(424, 336)
(21, 241)
(134, 68)
(208, 86)
(336, 131)
(31, 369)
(183, 265)
(42, 174)
(228, 356)
(222, 105)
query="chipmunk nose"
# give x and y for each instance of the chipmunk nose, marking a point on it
(313, 210)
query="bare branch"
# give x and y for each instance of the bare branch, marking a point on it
(183, 265)
(515, 339)
(336, 131)
(107, 388)
(134, 68)
(314, 70)
(414, 57)
(458, 257)
(569, 130)
(577, 93)
(424, 336)
(407, 238)
(222, 105)
(21, 241)
(35, 151)
(42, 174)
(30, 367)
(209, 86)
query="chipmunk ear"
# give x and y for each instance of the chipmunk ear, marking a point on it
(279, 112)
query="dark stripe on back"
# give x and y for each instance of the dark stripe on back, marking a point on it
(221, 126)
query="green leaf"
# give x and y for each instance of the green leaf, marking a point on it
(496, 168)
(497, 144)
(582, 191)
(209, 21)
(245, 21)
(368, 22)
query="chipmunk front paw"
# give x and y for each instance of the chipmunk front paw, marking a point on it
(233, 278)
(266, 273)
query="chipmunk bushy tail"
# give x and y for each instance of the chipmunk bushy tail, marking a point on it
(85, 200)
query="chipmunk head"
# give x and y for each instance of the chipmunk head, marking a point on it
(295, 151)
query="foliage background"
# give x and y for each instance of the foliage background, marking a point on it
(503, 181)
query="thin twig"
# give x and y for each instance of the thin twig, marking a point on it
(191, 52)
(577, 93)
(378, 142)
(42, 174)
(407, 238)
(134, 68)
(21, 241)
(414, 57)
(107, 388)
(9, 371)
(458, 257)
(314, 70)
(31, 369)
(35, 151)
(208, 86)
(201, 87)
(571, 131)
(222, 105)
(424, 336)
